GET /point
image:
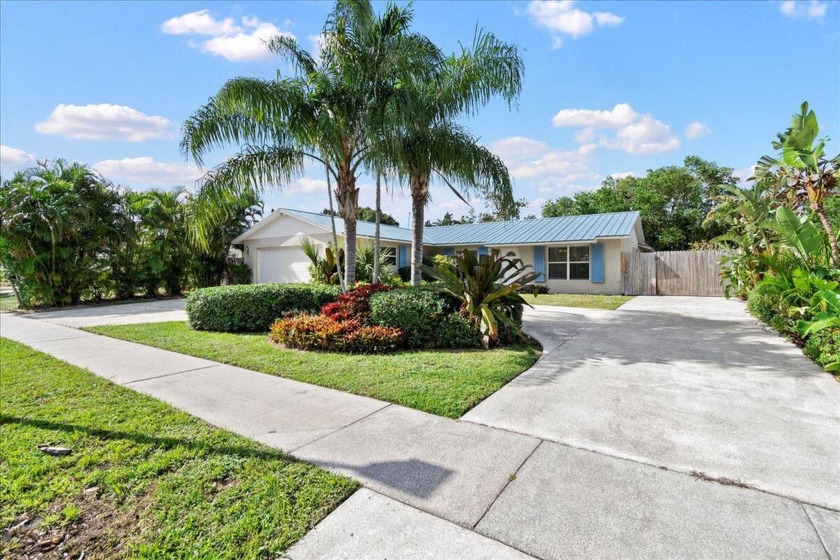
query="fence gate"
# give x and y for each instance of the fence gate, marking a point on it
(671, 273)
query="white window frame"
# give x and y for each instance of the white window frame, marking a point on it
(389, 254)
(568, 262)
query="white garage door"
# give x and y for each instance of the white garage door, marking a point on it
(286, 264)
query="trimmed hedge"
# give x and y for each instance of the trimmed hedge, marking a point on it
(415, 311)
(254, 307)
(455, 331)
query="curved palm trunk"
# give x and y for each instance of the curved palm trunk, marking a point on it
(341, 283)
(419, 183)
(376, 241)
(832, 236)
(347, 195)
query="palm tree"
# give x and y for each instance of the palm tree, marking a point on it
(803, 174)
(432, 144)
(325, 113)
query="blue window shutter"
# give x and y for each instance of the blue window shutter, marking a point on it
(483, 251)
(449, 251)
(403, 256)
(596, 263)
(539, 261)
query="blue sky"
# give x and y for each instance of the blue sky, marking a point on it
(610, 87)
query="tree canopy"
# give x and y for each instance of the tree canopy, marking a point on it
(673, 202)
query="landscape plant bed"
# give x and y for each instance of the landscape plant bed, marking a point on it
(578, 300)
(443, 382)
(141, 479)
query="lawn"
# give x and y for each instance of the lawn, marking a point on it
(443, 382)
(8, 302)
(142, 478)
(578, 300)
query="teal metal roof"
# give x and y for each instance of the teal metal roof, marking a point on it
(521, 232)
(541, 230)
(365, 229)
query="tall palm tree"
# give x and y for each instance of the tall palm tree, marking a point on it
(432, 144)
(325, 113)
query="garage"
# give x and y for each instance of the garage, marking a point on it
(282, 264)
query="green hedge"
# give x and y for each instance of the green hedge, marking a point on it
(824, 347)
(415, 311)
(454, 331)
(253, 308)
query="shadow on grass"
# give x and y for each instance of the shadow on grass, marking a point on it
(143, 439)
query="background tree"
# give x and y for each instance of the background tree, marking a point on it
(54, 218)
(673, 202)
(368, 214)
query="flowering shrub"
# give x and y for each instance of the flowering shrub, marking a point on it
(320, 332)
(355, 304)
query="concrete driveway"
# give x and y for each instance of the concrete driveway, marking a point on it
(153, 311)
(688, 384)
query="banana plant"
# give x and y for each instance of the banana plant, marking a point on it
(487, 287)
(825, 309)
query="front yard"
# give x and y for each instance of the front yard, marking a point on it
(142, 479)
(578, 300)
(443, 382)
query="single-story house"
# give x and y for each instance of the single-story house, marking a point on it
(574, 254)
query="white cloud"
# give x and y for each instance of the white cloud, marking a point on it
(237, 42)
(696, 130)
(552, 170)
(806, 9)
(633, 132)
(561, 17)
(305, 185)
(104, 122)
(146, 171)
(744, 174)
(624, 175)
(12, 159)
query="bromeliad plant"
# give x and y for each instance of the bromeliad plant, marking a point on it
(488, 288)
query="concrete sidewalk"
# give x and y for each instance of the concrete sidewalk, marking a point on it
(437, 487)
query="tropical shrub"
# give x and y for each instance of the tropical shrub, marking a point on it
(237, 273)
(415, 311)
(311, 332)
(453, 330)
(487, 288)
(373, 340)
(354, 304)
(254, 307)
(320, 332)
(824, 348)
(533, 289)
(54, 219)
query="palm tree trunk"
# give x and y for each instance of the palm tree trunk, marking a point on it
(335, 235)
(419, 195)
(832, 237)
(348, 207)
(376, 241)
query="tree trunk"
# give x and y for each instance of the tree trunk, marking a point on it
(832, 237)
(376, 241)
(348, 207)
(419, 196)
(341, 283)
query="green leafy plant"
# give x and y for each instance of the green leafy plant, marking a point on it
(488, 288)
(322, 332)
(253, 307)
(824, 311)
(415, 311)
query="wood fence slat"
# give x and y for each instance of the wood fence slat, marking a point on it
(672, 273)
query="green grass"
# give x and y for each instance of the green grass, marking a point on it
(443, 382)
(578, 300)
(8, 302)
(143, 479)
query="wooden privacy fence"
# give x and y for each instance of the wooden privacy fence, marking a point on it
(671, 273)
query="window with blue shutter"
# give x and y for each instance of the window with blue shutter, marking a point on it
(403, 256)
(596, 269)
(449, 251)
(482, 251)
(539, 262)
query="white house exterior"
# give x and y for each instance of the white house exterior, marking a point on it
(575, 254)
